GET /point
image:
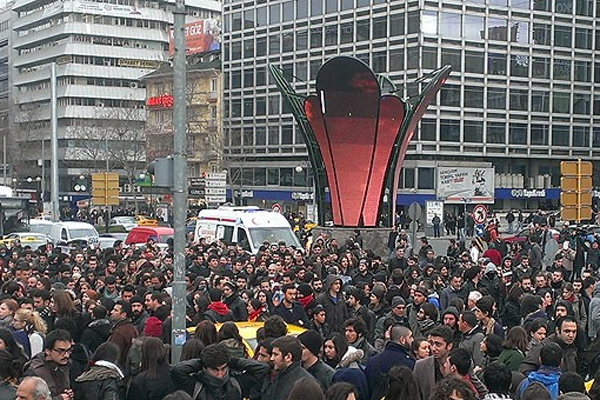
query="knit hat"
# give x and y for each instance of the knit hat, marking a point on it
(312, 340)
(136, 299)
(530, 303)
(378, 290)
(153, 327)
(304, 289)
(398, 301)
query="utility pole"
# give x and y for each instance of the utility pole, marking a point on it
(179, 180)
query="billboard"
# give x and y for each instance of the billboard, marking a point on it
(457, 185)
(201, 36)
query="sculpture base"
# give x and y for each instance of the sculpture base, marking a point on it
(374, 239)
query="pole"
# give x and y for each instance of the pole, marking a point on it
(4, 158)
(54, 161)
(108, 207)
(179, 180)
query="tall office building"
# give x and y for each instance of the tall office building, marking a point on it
(101, 50)
(523, 95)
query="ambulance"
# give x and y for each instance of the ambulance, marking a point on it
(250, 227)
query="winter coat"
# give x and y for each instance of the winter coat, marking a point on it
(279, 388)
(144, 387)
(95, 334)
(122, 334)
(55, 375)
(237, 307)
(335, 308)
(322, 372)
(294, 315)
(103, 381)
(512, 358)
(472, 341)
(511, 314)
(547, 376)
(7, 391)
(569, 357)
(393, 354)
(369, 317)
(594, 313)
(218, 312)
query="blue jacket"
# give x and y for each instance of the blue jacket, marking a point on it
(547, 376)
(393, 354)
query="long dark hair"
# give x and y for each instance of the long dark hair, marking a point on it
(154, 354)
(341, 347)
(402, 384)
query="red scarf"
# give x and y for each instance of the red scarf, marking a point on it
(252, 317)
(219, 307)
(306, 300)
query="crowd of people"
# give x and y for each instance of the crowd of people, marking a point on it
(484, 322)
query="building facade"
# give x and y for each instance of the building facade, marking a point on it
(524, 93)
(101, 51)
(204, 133)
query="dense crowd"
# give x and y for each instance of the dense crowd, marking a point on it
(491, 321)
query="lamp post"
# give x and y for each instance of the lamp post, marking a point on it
(143, 178)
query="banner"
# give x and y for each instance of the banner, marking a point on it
(457, 185)
(201, 36)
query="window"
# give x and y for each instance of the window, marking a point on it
(273, 176)
(261, 46)
(396, 59)
(330, 6)
(581, 103)
(539, 135)
(496, 132)
(561, 102)
(518, 99)
(563, 6)
(583, 71)
(288, 10)
(452, 57)
(450, 96)
(426, 178)
(316, 7)
(450, 25)
(473, 97)
(274, 14)
(473, 131)
(541, 34)
(428, 23)
(473, 27)
(409, 177)
(430, 57)
(541, 68)
(562, 69)
(316, 37)
(302, 8)
(563, 36)
(497, 29)
(540, 101)
(347, 32)
(497, 64)
(363, 30)
(517, 133)
(449, 131)
(583, 38)
(519, 65)
(380, 28)
(474, 62)
(428, 130)
(496, 98)
(581, 136)
(519, 32)
(560, 135)
(397, 24)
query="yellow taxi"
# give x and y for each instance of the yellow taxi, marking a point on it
(143, 220)
(31, 239)
(248, 333)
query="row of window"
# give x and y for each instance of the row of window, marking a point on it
(471, 28)
(442, 130)
(290, 10)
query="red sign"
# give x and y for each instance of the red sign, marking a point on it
(201, 36)
(164, 101)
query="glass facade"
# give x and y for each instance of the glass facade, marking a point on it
(525, 78)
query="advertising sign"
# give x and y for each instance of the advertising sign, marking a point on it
(434, 208)
(457, 185)
(201, 36)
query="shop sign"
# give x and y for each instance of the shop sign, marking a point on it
(302, 196)
(528, 193)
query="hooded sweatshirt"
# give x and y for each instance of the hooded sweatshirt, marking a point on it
(547, 376)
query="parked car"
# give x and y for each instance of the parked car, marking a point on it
(31, 239)
(140, 235)
(128, 223)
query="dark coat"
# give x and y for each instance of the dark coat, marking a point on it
(237, 307)
(280, 387)
(294, 315)
(56, 376)
(335, 309)
(122, 334)
(569, 356)
(393, 354)
(99, 383)
(144, 387)
(95, 334)
(369, 317)
(323, 373)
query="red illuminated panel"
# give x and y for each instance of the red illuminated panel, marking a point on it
(162, 101)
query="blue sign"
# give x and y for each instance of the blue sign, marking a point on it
(479, 230)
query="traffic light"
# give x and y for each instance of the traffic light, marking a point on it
(105, 189)
(576, 190)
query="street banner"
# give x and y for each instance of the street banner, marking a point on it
(458, 185)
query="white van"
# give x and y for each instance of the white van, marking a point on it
(41, 226)
(250, 227)
(64, 232)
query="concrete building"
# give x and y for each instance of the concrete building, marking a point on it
(5, 92)
(101, 50)
(203, 86)
(524, 94)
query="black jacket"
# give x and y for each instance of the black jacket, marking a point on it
(100, 383)
(237, 307)
(281, 385)
(335, 310)
(294, 315)
(323, 373)
(243, 375)
(95, 334)
(144, 387)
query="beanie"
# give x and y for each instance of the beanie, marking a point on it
(304, 289)
(136, 299)
(451, 310)
(153, 327)
(312, 340)
(378, 290)
(398, 301)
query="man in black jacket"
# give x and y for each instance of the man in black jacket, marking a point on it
(290, 310)
(332, 299)
(311, 347)
(285, 357)
(216, 376)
